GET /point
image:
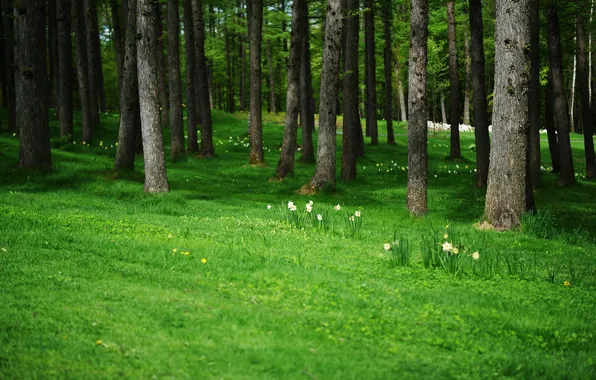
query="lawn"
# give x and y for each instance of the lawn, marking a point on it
(100, 280)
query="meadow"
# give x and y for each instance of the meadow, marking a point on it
(221, 279)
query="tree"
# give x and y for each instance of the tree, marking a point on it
(454, 81)
(350, 92)
(161, 68)
(549, 121)
(388, 70)
(8, 29)
(176, 127)
(64, 83)
(84, 80)
(560, 109)
(307, 101)
(288, 148)
(255, 17)
(417, 106)
(479, 93)
(191, 80)
(325, 168)
(534, 105)
(156, 180)
(119, 40)
(31, 85)
(370, 67)
(468, 65)
(506, 196)
(95, 70)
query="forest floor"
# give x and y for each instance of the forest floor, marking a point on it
(102, 280)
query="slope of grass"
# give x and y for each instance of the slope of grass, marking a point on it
(99, 279)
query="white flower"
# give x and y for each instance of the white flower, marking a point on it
(308, 207)
(337, 207)
(455, 250)
(475, 255)
(351, 218)
(310, 202)
(387, 246)
(447, 247)
(293, 208)
(357, 214)
(319, 217)
(269, 207)
(290, 204)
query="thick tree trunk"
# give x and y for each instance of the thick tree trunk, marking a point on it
(255, 25)
(307, 101)
(98, 97)
(156, 180)
(119, 40)
(161, 68)
(206, 148)
(468, 61)
(64, 84)
(561, 111)
(371, 72)
(285, 165)
(52, 53)
(534, 105)
(325, 168)
(506, 193)
(3, 65)
(454, 83)
(176, 126)
(481, 122)
(9, 57)
(549, 120)
(350, 92)
(31, 85)
(78, 14)
(582, 74)
(191, 80)
(417, 105)
(388, 79)
(129, 130)
(272, 108)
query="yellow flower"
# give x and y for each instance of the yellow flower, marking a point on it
(447, 226)
(566, 283)
(174, 250)
(185, 253)
(476, 255)
(204, 261)
(169, 236)
(98, 342)
(101, 143)
(455, 250)
(445, 236)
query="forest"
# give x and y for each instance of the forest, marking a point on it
(297, 188)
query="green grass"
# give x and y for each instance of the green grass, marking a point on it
(91, 286)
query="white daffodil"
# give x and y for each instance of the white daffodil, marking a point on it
(290, 204)
(387, 246)
(269, 207)
(357, 214)
(337, 207)
(319, 217)
(447, 246)
(476, 255)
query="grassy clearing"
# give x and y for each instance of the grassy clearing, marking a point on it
(92, 285)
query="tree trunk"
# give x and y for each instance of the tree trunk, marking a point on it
(255, 16)
(118, 40)
(454, 83)
(400, 91)
(443, 111)
(288, 148)
(206, 149)
(582, 74)
(307, 101)
(350, 92)
(468, 79)
(191, 80)
(549, 119)
(229, 77)
(161, 68)
(64, 84)
(98, 97)
(3, 64)
(156, 180)
(506, 194)
(78, 14)
(534, 105)
(388, 79)
(272, 108)
(417, 105)
(129, 96)
(176, 126)
(8, 26)
(52, 53)
(371, 69)
(561, 111)
(325, 168)
(481, 134)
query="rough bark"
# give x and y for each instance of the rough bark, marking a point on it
(307, 101)
(506, 193)
(285, 165)
(272, 108)
(400, 92)
(388, 78)
(534, 105)
(3, 65)
(191, 109)
(64, 84)
(443, 111)
(52, 53)
(176, 126)
(31, 85)
(350, 92)
(371, 72)
(325, 168)
(156, 180)
(8, 27)
(84, 80)
(560, 109)
(229, 77)
(481, 122)
(119, 41)
(206, 148)
(255, 26)
(417, 106)
(96, 88)
(161, 68)
(549, 120)
(468, 62)
(582, 74)
(129, 96)
(453, 83)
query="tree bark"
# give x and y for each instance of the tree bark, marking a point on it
(549, 119)
(400, 92)
(468, 62)
(229, 77)
(371, 70)
(129, 96)
(191, 80)
(582, 74)
(285, 165)
(481, 122)
(272, 108)
(52, 53)
(175, 106)
(443, 111)
(307, 101)
(31, 85)
(417, 105)
(206, 148)
(534, 105)
(156, 180)
(350, 92)
(64, 84)
(454, 83)
(9, 57)
(3, 64)
(98, 97)
(325, 168)
(255, 16)
(119, 40)
(561, 110)
(84, 80)
(388, 79)
(161, 68)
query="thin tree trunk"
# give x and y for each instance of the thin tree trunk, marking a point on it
(454, 83)
(9, 56)
(506, 199)
(64, 84)
(156, 180)
(371, 69)
(272, 108)
(400, 91)
(443, 111)
(534, 105)
(468, 79)
(582, 74)
(119, 41)
(481, 122)
(285, 165)
(350, 92)
(229, 77)
(549, 119)
(325, 168)
(191, 80)
(78, 14)
(561, 111)
(176, 126)
(388, 79)
(307, 102)
(255, 16)
(572, 114)
(98, 97)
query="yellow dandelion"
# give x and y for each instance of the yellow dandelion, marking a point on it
(101, 143)
(447, 226)
(566, 283)
(445, 236)
(174, 250)
(98, 342)
(204, 261)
